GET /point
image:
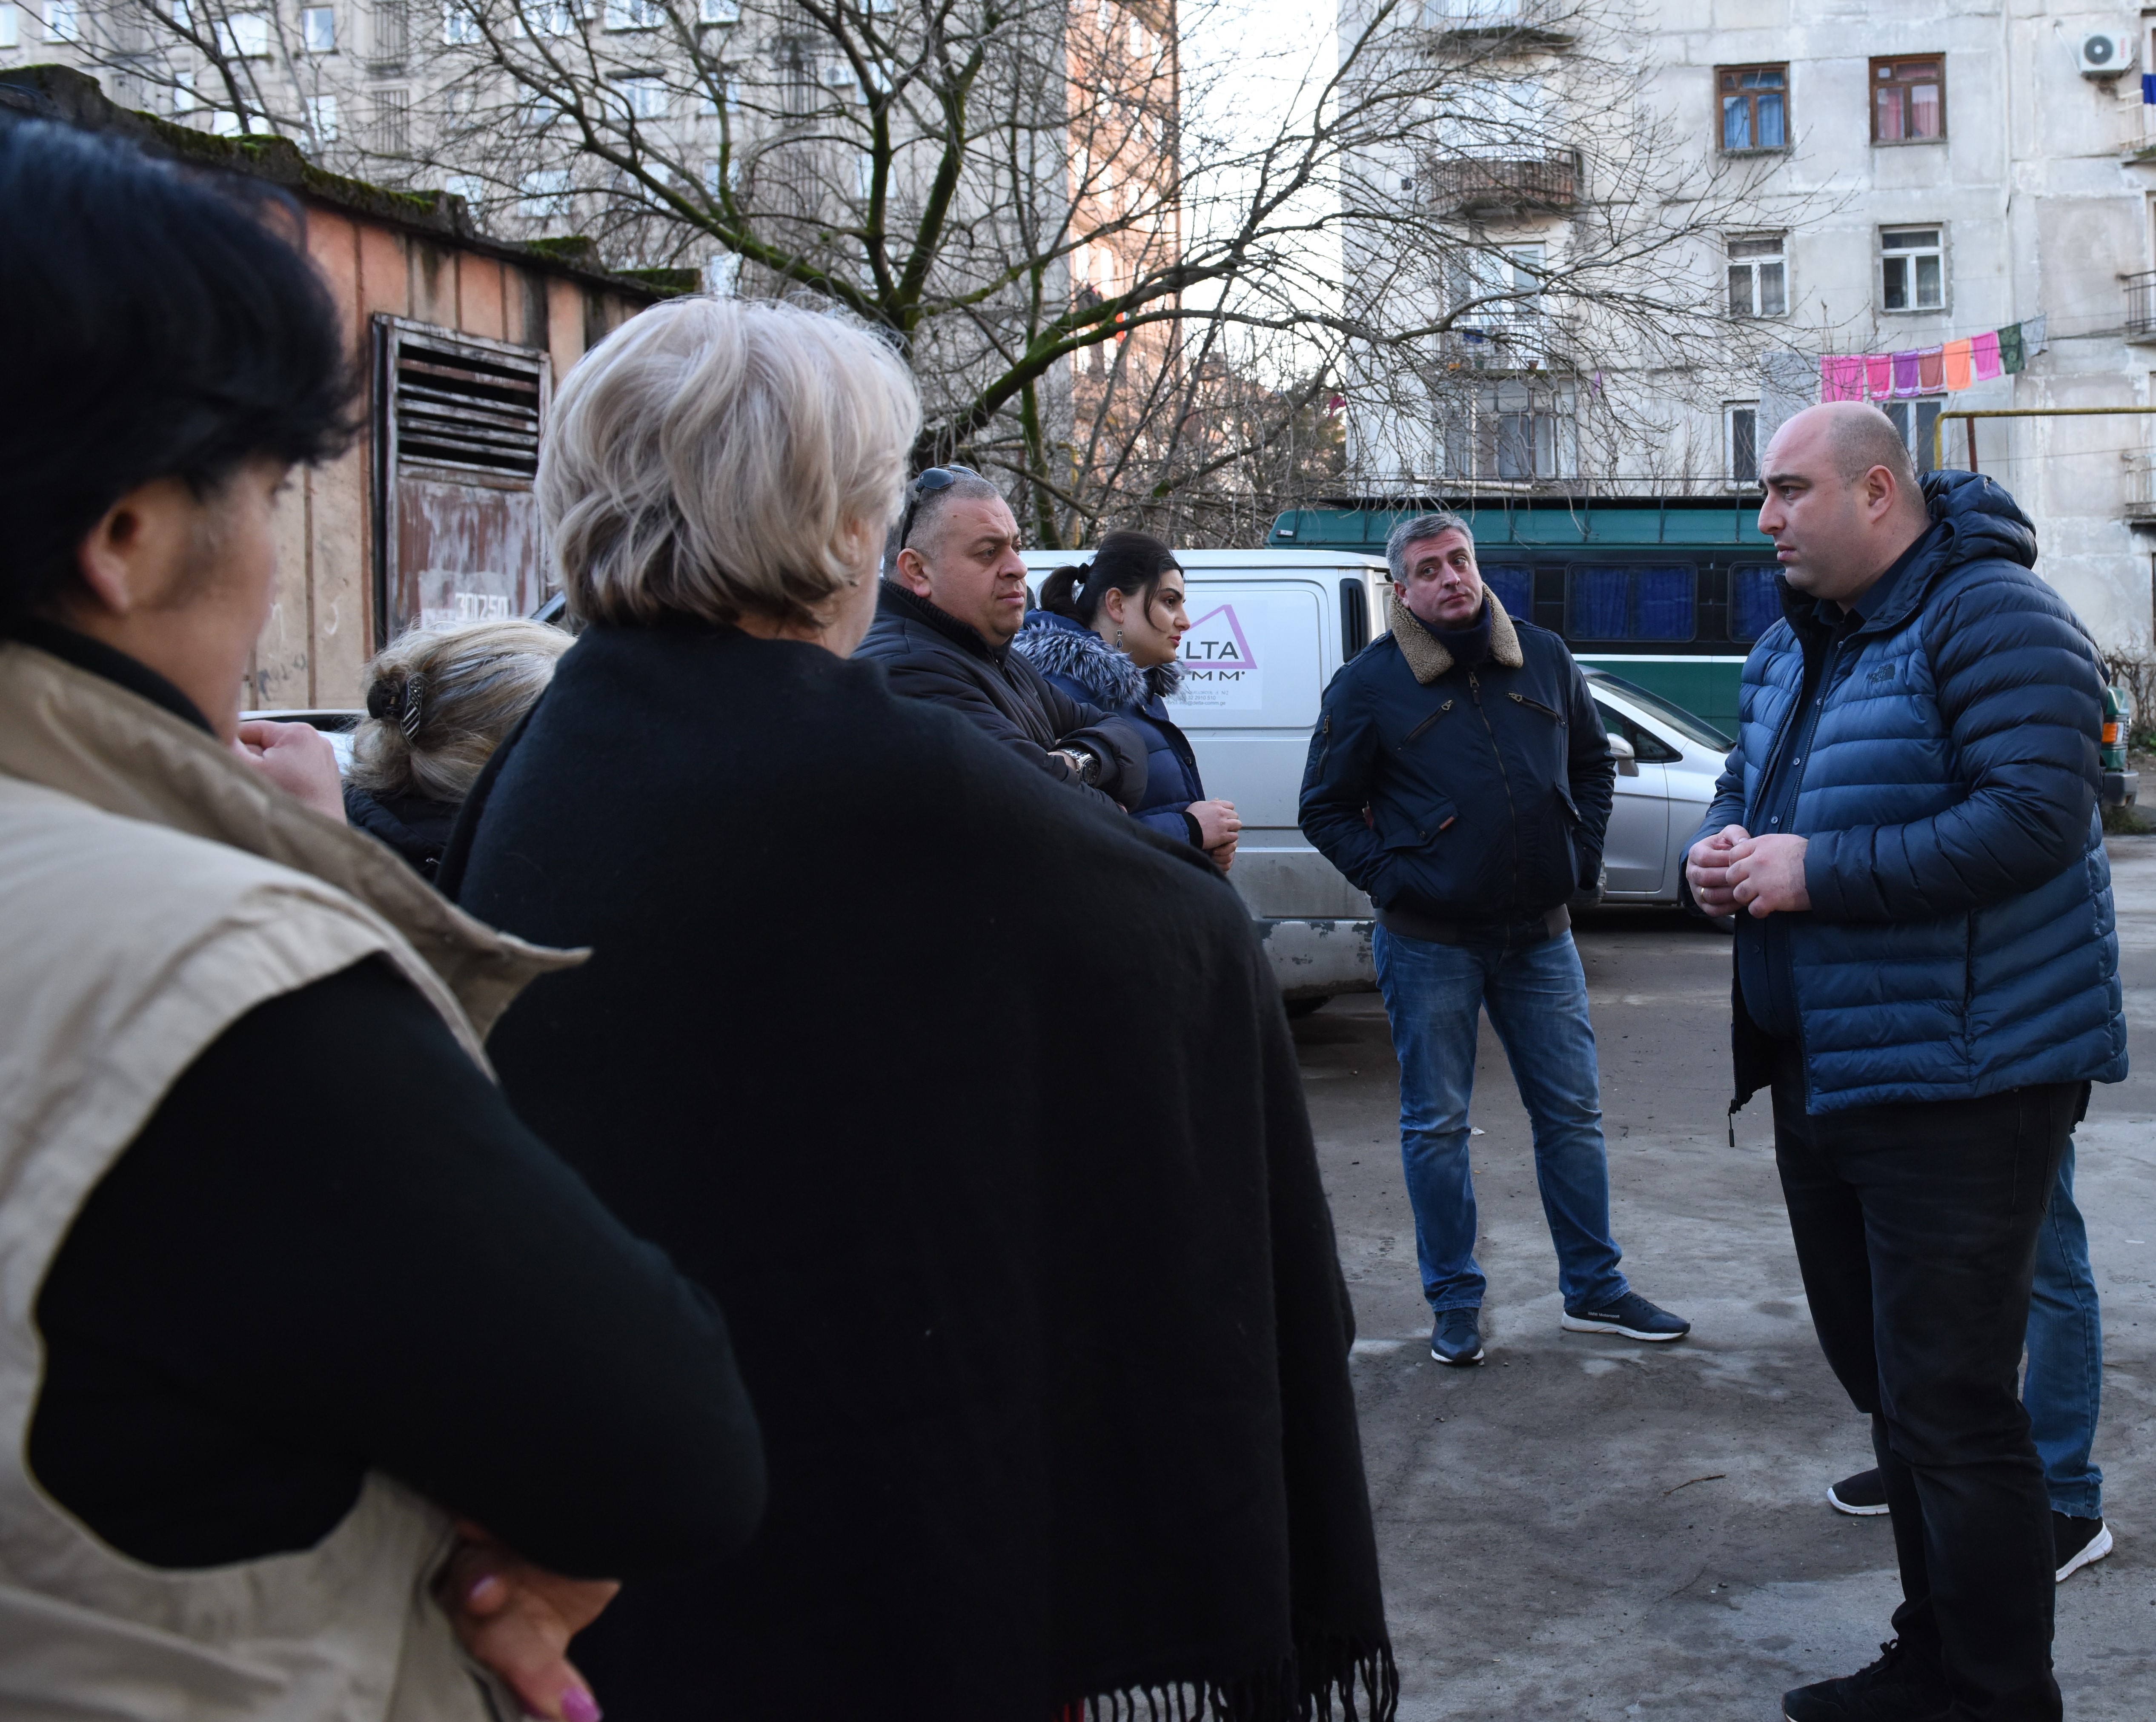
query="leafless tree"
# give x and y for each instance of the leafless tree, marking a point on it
(1148, 263)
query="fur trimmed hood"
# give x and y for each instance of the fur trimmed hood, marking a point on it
(1427, 656)
(1056, 645)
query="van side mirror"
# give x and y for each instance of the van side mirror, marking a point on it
(1626, 756)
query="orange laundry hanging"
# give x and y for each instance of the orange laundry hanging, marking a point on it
(1954, 359)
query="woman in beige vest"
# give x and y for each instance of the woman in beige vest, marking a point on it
(286, 1291)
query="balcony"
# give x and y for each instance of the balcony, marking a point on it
(2140, 505)
(1527, 23)
(1540, 185)
(2140, 305)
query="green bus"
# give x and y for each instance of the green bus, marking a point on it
(1667, 592)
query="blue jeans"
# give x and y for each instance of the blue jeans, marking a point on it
(1536, 997)
(2064, 1385)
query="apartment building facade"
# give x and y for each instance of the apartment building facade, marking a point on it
(1957, 170)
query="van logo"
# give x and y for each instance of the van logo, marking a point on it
(1219, 669)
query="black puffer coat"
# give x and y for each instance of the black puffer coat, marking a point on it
(929, 656)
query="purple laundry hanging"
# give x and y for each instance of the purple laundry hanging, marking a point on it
(1905, 373)
(1983, 354)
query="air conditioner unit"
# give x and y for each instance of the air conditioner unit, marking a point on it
(2104, 54)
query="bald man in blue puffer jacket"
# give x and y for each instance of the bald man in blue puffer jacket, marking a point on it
(1927, 981)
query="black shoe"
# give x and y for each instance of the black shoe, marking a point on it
(1863, 1495)
(1897, 1687)
(1631, 1315)
(1457, 1337)
(2077, 1542)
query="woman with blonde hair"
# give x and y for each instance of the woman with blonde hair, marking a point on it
(1053, 1412)
(438, 701)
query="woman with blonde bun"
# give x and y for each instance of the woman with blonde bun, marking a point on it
(438, 701)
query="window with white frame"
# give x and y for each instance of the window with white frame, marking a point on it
(459, 25)
(63, 21)
(1758, 277)
(11, 29)
(1913, 269)
(644, 95)
(544, 195)
(318, 29)
(636, 14)
(183, 92)
(244, 35)
(718, 12)
(469, 186)
(1740, 428)
(1918, 422)
(321, 112)
(392, 120)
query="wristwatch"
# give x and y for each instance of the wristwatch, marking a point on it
(1083, 760)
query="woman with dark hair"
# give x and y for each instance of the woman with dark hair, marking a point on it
(1107, 633)
(292, 1296)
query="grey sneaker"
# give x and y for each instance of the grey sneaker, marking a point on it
(1457, 1337)
(1631, 1315)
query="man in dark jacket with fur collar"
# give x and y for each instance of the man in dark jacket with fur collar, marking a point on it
(1460, 776)
(945, 621)
(1927, 981)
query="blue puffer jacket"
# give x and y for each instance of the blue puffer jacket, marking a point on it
(1960, 940)
(1093, 672)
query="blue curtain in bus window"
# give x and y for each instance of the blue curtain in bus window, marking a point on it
(1515, 587)
(1599, 603)
(1661, 604)
(1754, 605)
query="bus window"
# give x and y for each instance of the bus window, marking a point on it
(1514, 584)
(1630, 601)
(1754, 605)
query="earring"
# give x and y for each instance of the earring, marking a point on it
(1119, 639)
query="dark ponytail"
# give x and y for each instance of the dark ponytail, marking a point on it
(1128, 563)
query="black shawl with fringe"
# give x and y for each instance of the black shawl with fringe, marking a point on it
(974, 1106)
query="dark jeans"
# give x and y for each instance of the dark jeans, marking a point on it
(1916, 1231)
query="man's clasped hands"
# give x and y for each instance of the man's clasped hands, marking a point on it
(1733, 870)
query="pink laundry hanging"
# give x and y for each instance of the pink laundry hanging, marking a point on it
(1905, 373)
(1879, 374)
(1983, 354)
(1931, 369)
(1841, 377)
(1955, 361)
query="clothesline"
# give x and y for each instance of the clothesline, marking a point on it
(1944, 369)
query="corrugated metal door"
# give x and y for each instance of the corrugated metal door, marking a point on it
(457, 423)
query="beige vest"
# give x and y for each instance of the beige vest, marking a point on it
(153, 889)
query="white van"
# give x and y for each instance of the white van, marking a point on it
(1268, 629)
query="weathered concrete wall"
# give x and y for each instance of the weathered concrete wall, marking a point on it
(321, 631)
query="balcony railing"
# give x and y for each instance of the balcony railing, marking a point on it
(2140, 506)
(1532, 185)
(1550, 24)
(2140, 305)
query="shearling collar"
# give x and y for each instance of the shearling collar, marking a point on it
(1429, 660)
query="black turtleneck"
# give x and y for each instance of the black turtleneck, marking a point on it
(334, 1248)
(1469, 645)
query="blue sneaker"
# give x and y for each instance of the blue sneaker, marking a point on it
(1631, 1315)
(1457, 1337)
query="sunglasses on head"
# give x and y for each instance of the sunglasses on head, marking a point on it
(927, 484)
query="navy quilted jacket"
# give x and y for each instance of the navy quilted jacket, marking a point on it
(1960, 940)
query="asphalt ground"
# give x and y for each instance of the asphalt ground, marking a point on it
(1588, 1528)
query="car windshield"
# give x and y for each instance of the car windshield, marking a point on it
(1691, 727)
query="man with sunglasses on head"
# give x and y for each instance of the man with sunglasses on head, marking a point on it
(951, 603)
